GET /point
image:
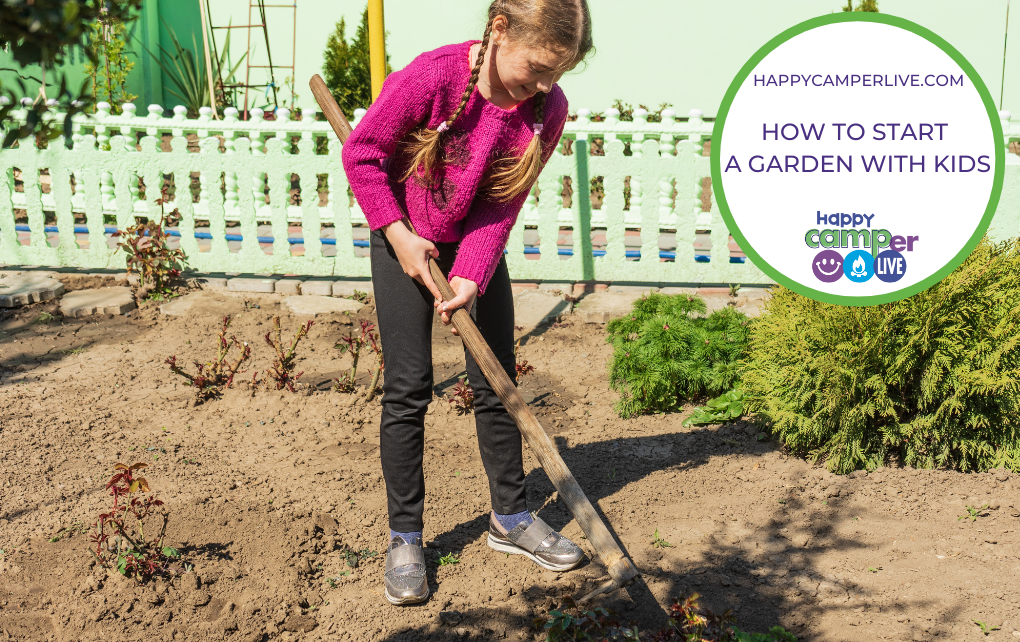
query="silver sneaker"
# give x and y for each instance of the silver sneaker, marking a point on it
(536, 541)
(405, 572)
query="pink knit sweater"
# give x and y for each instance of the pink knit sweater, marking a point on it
(428, 91)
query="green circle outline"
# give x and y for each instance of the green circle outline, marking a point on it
(979, 85)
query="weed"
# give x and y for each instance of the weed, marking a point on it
(125, 546)
(214, 376)
(333, 581)
(658, 542)
(283, 366)
(612, 475)
(448, 560)
(872, 569)
(973, 513)
(463, 397)
(361, 297)
(77, 527)
(353, 558)
(688, 622)
(726, 407)
(76, 351)
(45, 317)
(985, 628)
(734, 289)
(148, 250)
(782, 501)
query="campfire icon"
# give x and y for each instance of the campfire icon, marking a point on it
(859, 266)
(859, 270)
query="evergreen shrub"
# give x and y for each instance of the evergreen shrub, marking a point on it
(666, 352)
(929, 381)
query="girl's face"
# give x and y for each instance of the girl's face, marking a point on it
(523, 71)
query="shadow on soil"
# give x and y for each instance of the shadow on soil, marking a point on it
(781, 583)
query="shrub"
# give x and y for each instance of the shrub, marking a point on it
(930, 381)
(345, 67)
(665, 354)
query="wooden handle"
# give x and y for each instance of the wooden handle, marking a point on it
(621, 569)
(330, 109)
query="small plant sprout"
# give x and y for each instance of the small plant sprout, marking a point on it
(734, 289)
(215, 376)
(119, 534)
(986, 629)
(973, 513)
(448, 560)
(658, 542)
(148, 250)
(44, 317)
(463, 396)
(282, 370)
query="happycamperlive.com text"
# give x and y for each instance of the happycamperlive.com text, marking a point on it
(858, 80)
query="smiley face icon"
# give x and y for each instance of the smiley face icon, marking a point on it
(827, 266)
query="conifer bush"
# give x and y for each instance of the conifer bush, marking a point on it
(929, 381)
(666, 352)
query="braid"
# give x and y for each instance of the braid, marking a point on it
(425, 144)
(539, 107)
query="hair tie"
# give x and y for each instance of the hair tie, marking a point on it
(443, 126)
(538, 129)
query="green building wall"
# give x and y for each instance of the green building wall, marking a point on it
(683, 52)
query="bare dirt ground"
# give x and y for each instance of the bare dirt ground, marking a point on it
(268, 492)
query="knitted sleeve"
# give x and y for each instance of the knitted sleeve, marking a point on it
(406, 99)
(487, 228)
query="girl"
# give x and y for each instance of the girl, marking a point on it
(457, 140)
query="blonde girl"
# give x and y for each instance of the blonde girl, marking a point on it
(457, 140)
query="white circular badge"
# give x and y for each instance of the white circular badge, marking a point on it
(857, 158)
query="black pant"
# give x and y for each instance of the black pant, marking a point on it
(405, 314)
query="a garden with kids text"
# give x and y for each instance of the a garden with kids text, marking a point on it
(287, 288)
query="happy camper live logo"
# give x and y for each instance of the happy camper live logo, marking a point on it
(870, 251)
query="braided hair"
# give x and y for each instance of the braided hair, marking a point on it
(565, 24)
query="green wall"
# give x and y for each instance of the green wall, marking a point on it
(648, 51)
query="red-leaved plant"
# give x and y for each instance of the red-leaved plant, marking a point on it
(214, 376)
(354, 344)
(282, 370)
(148, 250)
(463, 396)
(522, 366)
(119, 534)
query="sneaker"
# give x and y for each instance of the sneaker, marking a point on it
(538, 542)
(405, 572)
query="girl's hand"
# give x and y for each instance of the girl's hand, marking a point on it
(413, 253)
(465, 292)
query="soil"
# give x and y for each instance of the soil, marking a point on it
(268, 491)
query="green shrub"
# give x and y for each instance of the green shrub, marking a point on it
(346, 69)
(666, 354)
(930, 381)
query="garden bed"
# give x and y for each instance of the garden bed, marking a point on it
(272, 496)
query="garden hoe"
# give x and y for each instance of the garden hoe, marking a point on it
(621, 569)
